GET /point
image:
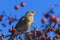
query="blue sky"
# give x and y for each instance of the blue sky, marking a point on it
(40, 6)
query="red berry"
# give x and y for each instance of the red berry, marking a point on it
(16, 7)
(13, 30)
(23, 4)
(1, 18)
(56, 20)
(10, 30)
(46, 15)
(43, 20)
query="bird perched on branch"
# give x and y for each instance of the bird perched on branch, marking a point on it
(24, 24)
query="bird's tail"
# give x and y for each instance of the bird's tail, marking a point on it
(12, 36)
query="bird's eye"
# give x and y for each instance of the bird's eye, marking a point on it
(32, 12)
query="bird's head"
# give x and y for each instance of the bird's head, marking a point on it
(31, 13)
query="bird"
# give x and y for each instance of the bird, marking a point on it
(24, 23)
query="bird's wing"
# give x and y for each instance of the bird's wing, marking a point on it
(21, 22)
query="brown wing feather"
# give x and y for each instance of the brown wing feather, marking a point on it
(22, 24)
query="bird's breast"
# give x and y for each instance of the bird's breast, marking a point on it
(30, 20)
